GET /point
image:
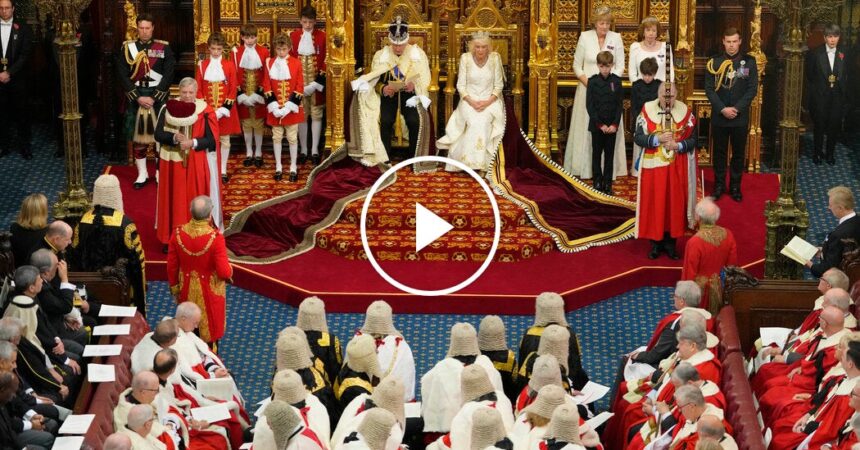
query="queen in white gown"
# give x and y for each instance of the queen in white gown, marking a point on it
(577, 155)
(475, 129)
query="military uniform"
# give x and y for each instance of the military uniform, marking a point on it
(730, 81)
(144, 69)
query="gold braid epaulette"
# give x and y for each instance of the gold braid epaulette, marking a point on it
(720, 73)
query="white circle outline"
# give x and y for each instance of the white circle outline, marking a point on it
(410, 289)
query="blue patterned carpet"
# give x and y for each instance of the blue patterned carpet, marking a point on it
(606, 329)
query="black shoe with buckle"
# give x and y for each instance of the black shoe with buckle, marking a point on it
(247, 162)
(224, 178)
(278, 176)
(258, 162)
(139, 185)
(736, 195)
(302, 158)
(316, 159)
(294, 177)
(718, 192)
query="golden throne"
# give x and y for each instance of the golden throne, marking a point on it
(507, 42)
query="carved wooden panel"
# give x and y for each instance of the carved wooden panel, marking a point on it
(232, 35)
(567, 47)
(568, 11)
(624, 11)
(660, 9)
(629, 37)
(230, 9)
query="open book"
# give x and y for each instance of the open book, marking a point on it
(799, 250)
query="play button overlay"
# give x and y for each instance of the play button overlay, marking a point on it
(429, 227)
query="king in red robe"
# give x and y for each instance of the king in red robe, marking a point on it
(667, 177)
(187, 134)
(198, 271)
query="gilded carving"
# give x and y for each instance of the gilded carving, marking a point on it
(230, 9)
(629, 37)
(622, 10)
(567, 47)
(264, 36)
(568, 10)
(660, 9)
(232, 35)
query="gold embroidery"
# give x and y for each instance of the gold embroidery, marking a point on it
(506, 366)
(319, 382)
(337, 354)
(197, 228)
(320, 367)
(352, 382)
(195, 295)
(712, 234)
(535, 331)
(217, 286)
(324, 340)
(205, 247)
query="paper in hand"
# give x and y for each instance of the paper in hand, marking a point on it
(599, 419)
(102, 350)
(117, 311)
(211, 414)
(112, 330)
(218, 388)
(68, 443)
(76, 424)
(799, 250)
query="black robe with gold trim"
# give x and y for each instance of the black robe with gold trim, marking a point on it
(529, 344)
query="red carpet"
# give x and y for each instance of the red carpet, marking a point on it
(506, 288)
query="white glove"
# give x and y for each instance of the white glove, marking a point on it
(291, 107)
(222, 112)
(243, 99)
(317, 86)
(309, 89)
(272, 107)
(256, 98)
(425, 101)
(281, 112)
(360, 85)
(412, 101)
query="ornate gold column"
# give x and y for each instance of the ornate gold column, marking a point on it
(754, 136)
(787, 216)
(684, 56)
(433, 55)
(340, 65)
(453, 13)
(543, 66)
(74, 202)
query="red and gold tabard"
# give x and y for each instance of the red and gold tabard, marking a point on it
(221, 94)
(312, 64)
(281, 89)
(198, 270)
(250, 81)
(666, 178)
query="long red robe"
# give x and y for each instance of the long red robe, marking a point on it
(259, 111)
(779, 403)
(220, 94)
(775, 375)
(664, 196)
(846, 438)
(197, 270)
(706, 253)
(628, 413)
(178, 184)
(831, 417)
(712, 395)
(232, 424)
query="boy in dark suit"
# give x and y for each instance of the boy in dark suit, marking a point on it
(15, 47)
(829, 94)
(604, 102)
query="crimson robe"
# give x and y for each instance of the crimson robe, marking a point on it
(666, 183)
(705, 255)
(830, 416)
(242, 77)
(232, 424)
(179, 183)
(220, 94)
(197, 270)
(816, 363)
(778, 403)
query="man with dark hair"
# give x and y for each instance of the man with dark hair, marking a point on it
(309, 47)
(145, 71)
(15, 48)
(829, 94)
(10, 436)
(56, 302)
(731, 83)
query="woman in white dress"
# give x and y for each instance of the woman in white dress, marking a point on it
(648, 47)
(475, 129)
(577, 155)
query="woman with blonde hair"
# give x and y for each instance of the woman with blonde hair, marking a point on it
(475, 129)
(29, 228)
(648, 46)
(577, 155)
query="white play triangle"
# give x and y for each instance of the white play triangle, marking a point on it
(428, 227)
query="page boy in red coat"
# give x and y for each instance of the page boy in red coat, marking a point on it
(217, 79)
(283, 85)
(309, 47)
(250, 104)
